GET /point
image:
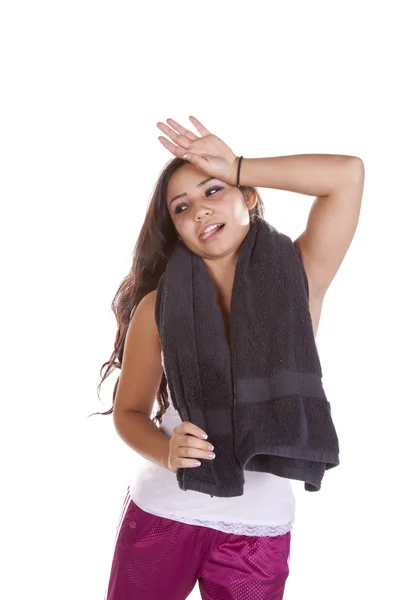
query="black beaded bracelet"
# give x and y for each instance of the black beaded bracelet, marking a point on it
(238, 173)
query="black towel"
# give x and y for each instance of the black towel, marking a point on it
(261, 400)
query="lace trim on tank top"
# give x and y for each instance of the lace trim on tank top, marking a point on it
(226, 527)
(239, 528)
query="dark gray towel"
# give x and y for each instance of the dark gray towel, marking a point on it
(261, 401)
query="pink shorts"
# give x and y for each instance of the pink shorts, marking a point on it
(160, 559)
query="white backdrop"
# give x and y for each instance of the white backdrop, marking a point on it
(83, 85)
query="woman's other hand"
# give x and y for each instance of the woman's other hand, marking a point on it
(207, 152)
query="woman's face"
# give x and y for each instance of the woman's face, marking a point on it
(204, 201)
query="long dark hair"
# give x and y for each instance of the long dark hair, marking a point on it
(152, 250)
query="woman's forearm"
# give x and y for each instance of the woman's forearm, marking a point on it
(310, 174)
(143, 436)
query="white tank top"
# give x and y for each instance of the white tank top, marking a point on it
(266, 507)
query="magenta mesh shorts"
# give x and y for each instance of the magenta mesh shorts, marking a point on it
(160, 559)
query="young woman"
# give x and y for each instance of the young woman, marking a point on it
(236, 547)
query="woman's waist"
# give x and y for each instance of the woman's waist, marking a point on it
(266, 498)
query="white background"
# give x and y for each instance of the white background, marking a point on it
(83, 85)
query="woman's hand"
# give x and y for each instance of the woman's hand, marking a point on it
(207, 152)
(186, 446)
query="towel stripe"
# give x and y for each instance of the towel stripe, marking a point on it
(285, 384)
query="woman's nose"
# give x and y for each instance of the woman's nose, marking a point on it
(201, 212)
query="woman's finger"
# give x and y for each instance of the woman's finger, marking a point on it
(182, 130)
(181, 140)
(199, 126)
(176, 150)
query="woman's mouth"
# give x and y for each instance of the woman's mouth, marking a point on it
(211, 234)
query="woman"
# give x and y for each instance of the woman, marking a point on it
(206, 199)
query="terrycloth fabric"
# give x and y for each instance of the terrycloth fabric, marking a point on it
(261, 401)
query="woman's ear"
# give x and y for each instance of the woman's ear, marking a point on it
(252, 201)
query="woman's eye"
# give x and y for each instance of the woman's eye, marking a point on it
(178, 208)
(211, 189)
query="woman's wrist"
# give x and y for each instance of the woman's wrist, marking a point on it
(233, 175)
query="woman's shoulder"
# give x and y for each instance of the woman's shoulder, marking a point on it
(148, 301)
(146, 313)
